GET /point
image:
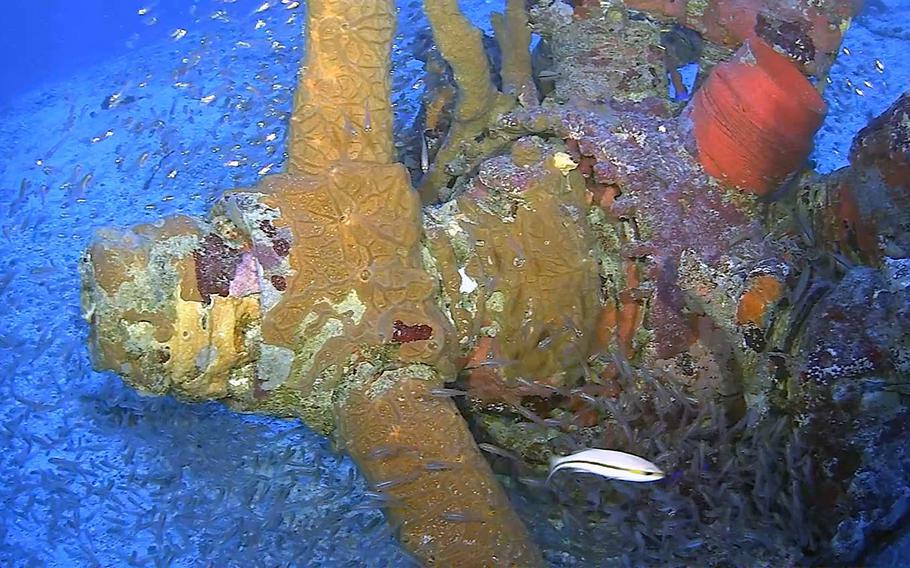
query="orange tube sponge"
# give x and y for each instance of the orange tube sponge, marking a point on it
(342, 109)
(514, 36)
(754, 119)
(461, 44)
(441, 491)
(478, 100)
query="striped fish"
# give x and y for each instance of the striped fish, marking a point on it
(608, 463)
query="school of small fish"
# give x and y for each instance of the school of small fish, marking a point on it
(864, 80)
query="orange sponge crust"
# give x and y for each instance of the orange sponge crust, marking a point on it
(515, 254)
(148, 322)
(342, 109)
(762, 294)
(442, 493)
(356, 269)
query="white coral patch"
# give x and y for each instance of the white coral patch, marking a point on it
(468, 284)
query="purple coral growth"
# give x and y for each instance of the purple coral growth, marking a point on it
(216, 264)
(246, 277)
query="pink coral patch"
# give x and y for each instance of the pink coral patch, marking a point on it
(246, 279)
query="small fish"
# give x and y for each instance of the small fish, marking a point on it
(608, 463)
(367, 118)
(525, 412)
(349, 127)
(396, 481)
(424, 153)
(446, 392)
(497, 451)
(387, 451)
(374, 500)
(438, 465)
(116, 99)
(544, 342)
(462, 517)
(86, 181)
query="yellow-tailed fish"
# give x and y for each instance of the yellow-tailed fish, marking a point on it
(608, 463)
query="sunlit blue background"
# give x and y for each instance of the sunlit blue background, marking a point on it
(44, 41)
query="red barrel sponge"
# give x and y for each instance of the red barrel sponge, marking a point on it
(754, 118)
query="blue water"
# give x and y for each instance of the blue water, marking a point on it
(45, 41)
(94, 474)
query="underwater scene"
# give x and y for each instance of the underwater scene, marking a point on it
(455, 283)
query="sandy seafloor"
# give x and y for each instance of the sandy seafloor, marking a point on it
(94, 474)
